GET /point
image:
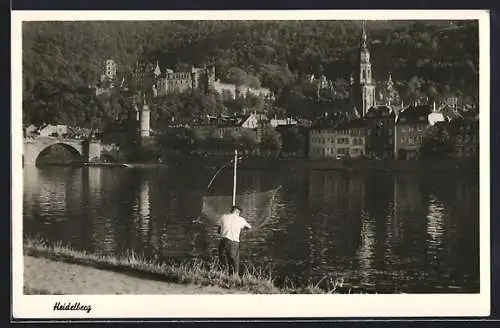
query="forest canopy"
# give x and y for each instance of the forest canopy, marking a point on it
(432, 58)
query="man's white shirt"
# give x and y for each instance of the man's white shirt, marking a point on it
(231, 226)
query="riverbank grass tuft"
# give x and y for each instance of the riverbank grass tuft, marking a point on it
(203, 273)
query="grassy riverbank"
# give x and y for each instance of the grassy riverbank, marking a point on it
(184, 275)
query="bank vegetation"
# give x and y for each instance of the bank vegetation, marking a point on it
(252, 279)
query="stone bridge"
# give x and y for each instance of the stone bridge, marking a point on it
(85, 151)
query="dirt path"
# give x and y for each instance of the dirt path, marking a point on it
(52, 277)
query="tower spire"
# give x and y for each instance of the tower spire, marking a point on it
(157, 70)
(363, 36)
(390, 83)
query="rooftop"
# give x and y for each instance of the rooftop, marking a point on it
(415, 113)
(351, 124)
(380, 111)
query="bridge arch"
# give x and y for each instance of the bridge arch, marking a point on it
(82, 150)
(76, 152)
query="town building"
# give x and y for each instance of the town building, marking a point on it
(449, 113)
(344, 139)
(436, 116)
(275, 122)
(230, 91)
(245, 91)
(53, 130)
(351, 138)
(465, 132)
(322, 141)
(410, 127)
(222, 126)
(380, 132)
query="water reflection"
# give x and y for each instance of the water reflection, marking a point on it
(381, 232)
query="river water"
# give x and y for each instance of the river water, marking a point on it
(379, 232)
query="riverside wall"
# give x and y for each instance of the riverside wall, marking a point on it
(446, 165)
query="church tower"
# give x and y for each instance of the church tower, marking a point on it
(363, 89)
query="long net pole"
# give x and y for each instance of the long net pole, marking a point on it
(234, 175)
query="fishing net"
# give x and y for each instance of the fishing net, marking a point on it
(257, 206)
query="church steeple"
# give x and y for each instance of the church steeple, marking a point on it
(363, 36)
(365, 67)
(363, 89)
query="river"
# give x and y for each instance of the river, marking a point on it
(379, 232)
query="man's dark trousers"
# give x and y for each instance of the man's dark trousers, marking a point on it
(229, 255)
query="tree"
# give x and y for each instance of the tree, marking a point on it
(247, 140)
(254, 102)
(237, 76)
(199, 138)
(271, 141)
(437, 142)
(252, 81)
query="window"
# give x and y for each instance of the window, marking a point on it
(459, 139)
(467, 151)
(467, 139)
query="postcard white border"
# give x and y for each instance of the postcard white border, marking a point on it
(237, 306)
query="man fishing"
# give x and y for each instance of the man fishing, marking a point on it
(230, 227)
